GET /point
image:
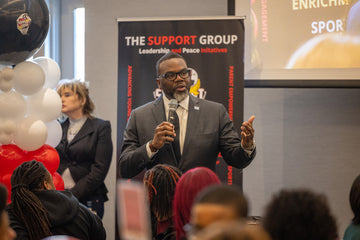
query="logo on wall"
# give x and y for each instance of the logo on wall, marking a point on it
(195, 88)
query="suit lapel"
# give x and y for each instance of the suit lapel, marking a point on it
(65, 127)
(193, 118)
(158, 110)
(85, 130)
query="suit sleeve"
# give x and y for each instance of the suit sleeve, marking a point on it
(100, 166)
(133, 158)
(230, 143)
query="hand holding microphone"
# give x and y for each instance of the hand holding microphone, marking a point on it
(165, 132)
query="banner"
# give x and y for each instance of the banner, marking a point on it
(213, 49)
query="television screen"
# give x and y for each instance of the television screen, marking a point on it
(304, 39)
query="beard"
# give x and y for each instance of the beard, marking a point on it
(181, 96)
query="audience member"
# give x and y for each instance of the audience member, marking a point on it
(189, 185)
(38, 210)
(160, 182)
(86, 148)
(353, 230)
(233, 230)
(217, 203)
(299, 215)
(6, 232)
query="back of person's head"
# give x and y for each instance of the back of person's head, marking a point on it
(355, 200)
(81, 90)
(26, 179)
(160, 182)
(167, 56)
(218, 203)
(224, 195)
(6, 232)
(299, 214)
(189, 185)
(235, 230)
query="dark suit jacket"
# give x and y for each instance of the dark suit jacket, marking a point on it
(209, 131)
(88, 157)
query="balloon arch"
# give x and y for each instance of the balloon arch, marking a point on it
(29, 105)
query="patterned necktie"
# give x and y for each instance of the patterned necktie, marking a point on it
(176, 142)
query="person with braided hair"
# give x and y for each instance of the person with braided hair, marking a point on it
(6, 232)
(160, 182)
(37, 210)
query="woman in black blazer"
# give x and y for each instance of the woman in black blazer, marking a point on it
(85, 149)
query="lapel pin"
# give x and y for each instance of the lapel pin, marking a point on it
(196, 107)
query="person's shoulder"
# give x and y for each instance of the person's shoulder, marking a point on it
(99, 122)
(147, 106)
(206, 102)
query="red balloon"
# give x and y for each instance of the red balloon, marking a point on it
(48, 156)
(58, 181)
(11, 156)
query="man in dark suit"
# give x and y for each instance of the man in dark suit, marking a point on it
(205, 128)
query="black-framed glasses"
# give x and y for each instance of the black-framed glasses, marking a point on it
(171, 76)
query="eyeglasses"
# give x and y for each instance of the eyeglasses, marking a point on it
(171, 76)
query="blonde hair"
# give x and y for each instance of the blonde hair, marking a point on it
(81, 90)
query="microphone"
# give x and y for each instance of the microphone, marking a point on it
(173, 104)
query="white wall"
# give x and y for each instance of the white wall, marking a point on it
(305, 137)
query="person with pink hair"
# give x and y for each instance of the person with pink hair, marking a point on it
(187, 188)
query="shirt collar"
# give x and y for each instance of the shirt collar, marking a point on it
(184, 103)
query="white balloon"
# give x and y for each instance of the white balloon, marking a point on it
(6, 75)
(54, 133)
(7, 131)
(45, 105)
(28, 78)
(51, 70)
(5, 85)
(31, 134)
(12, 105)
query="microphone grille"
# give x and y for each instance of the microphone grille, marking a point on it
(173, 104)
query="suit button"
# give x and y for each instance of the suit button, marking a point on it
(73, 163)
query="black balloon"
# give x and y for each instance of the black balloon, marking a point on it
(24, 25)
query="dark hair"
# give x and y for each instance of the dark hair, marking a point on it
(167, 56)
(25, 180)
(81, 90)
(233, 230)
(3, 199)
(298, 215)
(161, 181)
(224, 195)
(189, 185)
(355, 200)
